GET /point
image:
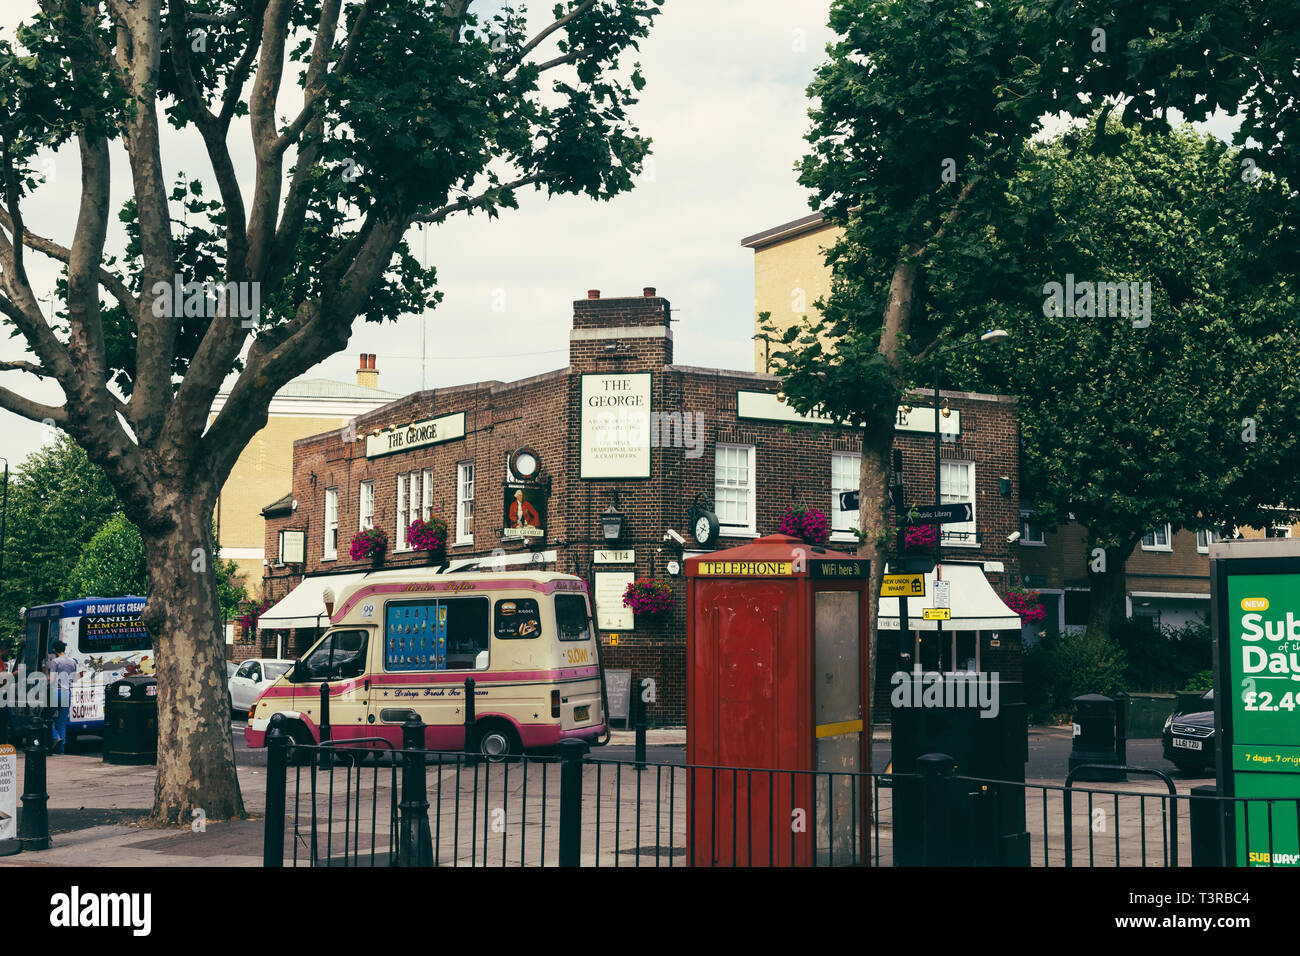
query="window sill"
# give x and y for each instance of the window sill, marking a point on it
(327, 560)
(1166, 549)
(467, 543)
(1032, 544)
(737, 533)
(973, 545)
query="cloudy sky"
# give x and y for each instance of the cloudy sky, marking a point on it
(725, 105)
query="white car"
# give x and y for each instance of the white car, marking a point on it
(253, 677)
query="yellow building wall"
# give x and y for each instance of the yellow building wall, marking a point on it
(263, 473)
(789, 277)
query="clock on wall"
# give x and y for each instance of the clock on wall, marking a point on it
(525, 464)
(705, 528)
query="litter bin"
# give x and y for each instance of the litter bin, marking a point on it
(131, 721)
(1094, 738)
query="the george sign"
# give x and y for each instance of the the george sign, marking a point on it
(745, 569)
(942, 596)
(8, 792)
(618, 689)
(523, 514)
(614, 429)
(903, 585)
(293, 547)
(431, 431)
(936, 614)
(611, 614)
(619, 556)
(940, 514)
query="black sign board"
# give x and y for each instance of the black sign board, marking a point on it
(841, 569)
(848, 501)
(940, 514)
(911, 565)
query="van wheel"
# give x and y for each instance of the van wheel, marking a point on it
(498, 740)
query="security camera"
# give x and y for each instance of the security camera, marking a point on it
(674, 537)
(1013, 537)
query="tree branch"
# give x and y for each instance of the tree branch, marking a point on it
(559, 24)
(32, 411)
(21, 366)
(108, 280)
(442, 212)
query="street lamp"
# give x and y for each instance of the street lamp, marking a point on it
(991, 337)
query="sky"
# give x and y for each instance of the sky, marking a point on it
(726, 107)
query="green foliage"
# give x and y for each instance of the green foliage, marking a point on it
(1060, 668)
(58, 500)
(111, 563)
(1164, 659)
(1200, 681)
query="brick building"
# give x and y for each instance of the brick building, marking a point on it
(623, 431)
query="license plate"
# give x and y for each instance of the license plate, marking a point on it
(581, 713)
(1180, 744)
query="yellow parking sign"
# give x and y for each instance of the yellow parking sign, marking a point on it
(936, 614)
(903, 585)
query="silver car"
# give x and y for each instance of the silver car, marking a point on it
(253, 677)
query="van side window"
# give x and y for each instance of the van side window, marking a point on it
(571, 618)
(341, 655)
(517, 619)
(450, 634)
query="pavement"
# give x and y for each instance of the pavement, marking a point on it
(97, 810)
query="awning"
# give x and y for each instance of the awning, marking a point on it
(975, 605)
(301, 606)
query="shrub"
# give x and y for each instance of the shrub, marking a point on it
(1201, 680)
(1164, 659)
(1060, 668)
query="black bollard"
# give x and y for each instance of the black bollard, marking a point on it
(572, 753)
(936, 771)
(326, 753)
(471, 725)
(277, 768)
(415, 843)
(34, 825)
(639, 722)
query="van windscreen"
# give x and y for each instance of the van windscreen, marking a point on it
(571, 617)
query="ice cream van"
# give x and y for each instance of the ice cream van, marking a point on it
(401, 641)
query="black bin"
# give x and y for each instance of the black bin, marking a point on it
(1094, 743)
(131, 721)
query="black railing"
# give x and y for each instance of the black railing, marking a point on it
(350, 806)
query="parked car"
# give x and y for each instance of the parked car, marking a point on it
(1189, 738)
(250, 679)
(231, 667)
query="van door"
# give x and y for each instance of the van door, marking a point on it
(340, 663)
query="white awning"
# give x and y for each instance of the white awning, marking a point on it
(304, 606)
(975, 605)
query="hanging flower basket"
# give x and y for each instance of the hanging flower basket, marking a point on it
(649, 596)
(371, 543)
(1026, 603)
(248, 614)
(920, 537)
(807, 523)
(430, 537)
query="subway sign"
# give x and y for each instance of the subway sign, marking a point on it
(1257, 697)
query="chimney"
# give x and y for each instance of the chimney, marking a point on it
(367, 377)
(621, 334)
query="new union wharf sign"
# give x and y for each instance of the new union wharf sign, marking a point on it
(431, 431)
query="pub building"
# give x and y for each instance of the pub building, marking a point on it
(618, 467)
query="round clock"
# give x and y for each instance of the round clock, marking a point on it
(706, 528)
(525, 463)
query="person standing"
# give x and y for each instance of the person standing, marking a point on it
(62, 670)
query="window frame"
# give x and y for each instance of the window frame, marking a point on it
(328, 552)
(750, 529)
(1167, 547)
(426, 494)
(365, 497)
(852, 519)
(1025, 524)
(399, 538)
(463, 519)
(971, 527)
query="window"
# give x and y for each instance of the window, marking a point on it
(957, 484)
(340, 655)
(1157, 540)
(845, 476)
(366, 506)
(401, 514)
(414, 511)
(571, 617)
(1203, 539)
(733, 487)
(437, 635)
(465, 503)
(1030, 533)
(1278, 531)
(331, 551)
(517, 619)
(426, 503)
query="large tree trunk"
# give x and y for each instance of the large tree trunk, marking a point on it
(873, 488)
(196, 757)
(1107, 607)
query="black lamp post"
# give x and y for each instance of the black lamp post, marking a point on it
(993, 337)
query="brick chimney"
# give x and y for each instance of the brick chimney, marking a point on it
(611, 335)
(367, 377)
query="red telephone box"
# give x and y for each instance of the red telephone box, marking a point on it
(777, 720)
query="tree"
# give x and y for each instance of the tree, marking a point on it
(58, 499)
(1182, 415)
(411, 111)
(922, 112)
(112, 564)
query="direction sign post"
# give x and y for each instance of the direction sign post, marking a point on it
(940, 514)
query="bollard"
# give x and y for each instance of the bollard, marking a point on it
(34, 826)
(415, 843)
(471, 725)
(638, 705)
(277, 768)
(936, 771)
(572, 753)
(326, 753)
(1121, 729)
